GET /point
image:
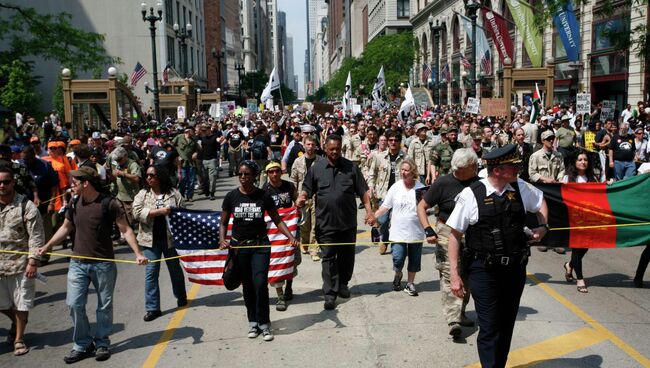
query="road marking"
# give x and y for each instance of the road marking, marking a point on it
(552, 348)
(173, 324)
(567, 343)
(629, 350)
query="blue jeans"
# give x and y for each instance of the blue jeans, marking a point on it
(103, 276)
(151, 287)
(624, 169)
(400, 251)
(188, 177)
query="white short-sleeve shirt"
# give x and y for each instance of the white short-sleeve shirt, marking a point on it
(404, 223)
(466, 211)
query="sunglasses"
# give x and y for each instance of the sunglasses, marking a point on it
(6, 182)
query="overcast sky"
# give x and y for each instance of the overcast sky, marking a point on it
(297, 28)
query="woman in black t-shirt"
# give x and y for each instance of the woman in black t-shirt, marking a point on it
(247, 205)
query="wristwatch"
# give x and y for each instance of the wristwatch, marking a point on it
(543, 225)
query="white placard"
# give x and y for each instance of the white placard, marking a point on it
(583, 103)
(607, 111)
(356, 109)
(180, 113)
(473, 105)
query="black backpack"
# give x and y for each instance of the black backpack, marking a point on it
(258, 148)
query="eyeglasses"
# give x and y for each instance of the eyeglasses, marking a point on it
(6, 182)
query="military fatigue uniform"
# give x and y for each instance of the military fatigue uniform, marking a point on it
(379, 173)
(542, 163)
(308, 228)
(441, 156)
(453, 308)
(351, 148)
(420, 152)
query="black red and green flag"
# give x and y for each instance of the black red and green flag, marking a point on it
(537, 105)
(597, 215)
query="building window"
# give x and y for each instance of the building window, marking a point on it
(605, 33)
(171, 51)
(169, 12)
(403, 10)
(192, 60)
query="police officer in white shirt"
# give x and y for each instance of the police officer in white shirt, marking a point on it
(491, 213)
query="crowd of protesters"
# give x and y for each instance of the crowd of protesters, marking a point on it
(135, 172)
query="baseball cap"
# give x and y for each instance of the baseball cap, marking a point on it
(547, 134)
(96, 135)
(85, 173)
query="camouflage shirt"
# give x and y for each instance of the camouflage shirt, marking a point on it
(441, 156)
(19, 231)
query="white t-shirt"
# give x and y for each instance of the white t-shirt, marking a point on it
(466, 211)
(404, 224)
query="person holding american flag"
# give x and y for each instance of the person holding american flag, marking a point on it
(247, 205)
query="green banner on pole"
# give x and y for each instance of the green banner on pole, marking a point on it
(523, 16)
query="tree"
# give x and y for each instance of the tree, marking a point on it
(254, 82)
(19, 91)
(394, 52)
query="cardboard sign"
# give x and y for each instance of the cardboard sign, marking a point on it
(608, 109)
(583, 103)
(322, 108)
(494, 107)
(251, 104)
(473, 105)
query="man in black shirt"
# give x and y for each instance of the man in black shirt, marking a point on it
(621, 153)
(442, 193)
(210, 148)
(335, 183)
(235, 139)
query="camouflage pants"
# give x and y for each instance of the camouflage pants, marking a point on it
(452, 306)
(308, 229)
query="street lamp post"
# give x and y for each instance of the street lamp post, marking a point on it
(239, 68)
(218, 55)
(152, 19)
(182, 35)
(472, 7)
(435, 30)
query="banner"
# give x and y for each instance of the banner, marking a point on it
(498, 27)
(569, 31)
(473, 105)
(583, 103)
(494, 107)
(405, 107)
(523, 16)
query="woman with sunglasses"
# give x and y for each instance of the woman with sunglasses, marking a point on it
(247, 205)
(150, 206)
(580, 170)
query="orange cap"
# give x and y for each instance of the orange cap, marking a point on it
(74, 142)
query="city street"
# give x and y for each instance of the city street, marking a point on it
(376, 327)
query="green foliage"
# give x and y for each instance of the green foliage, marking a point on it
(394, 52)
(254, 82)
(19, 91)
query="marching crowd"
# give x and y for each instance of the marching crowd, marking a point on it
(118, 185)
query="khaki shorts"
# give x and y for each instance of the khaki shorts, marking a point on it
(17, 291)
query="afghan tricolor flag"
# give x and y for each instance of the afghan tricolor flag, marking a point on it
(537, 105)
(597, 215)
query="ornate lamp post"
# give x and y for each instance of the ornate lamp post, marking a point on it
(240, 69)
(219, 56)
(182, 35)
(472, 7)
(152, 19)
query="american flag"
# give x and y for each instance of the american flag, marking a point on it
(445, 73)
(165, 74)
(196, 239)
(426, 72)
(486, 63)
(465, 62)
(137, 74)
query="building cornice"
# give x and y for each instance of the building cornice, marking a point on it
(423, 15)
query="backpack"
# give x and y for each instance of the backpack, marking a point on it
(105, 227)
(258, 148)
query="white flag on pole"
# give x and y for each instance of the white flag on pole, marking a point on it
(405, 108)
(378, 102)
(348, 93)
(273, 84)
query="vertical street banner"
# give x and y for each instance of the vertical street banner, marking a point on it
(522, 13)
(583, 103)
(498, 27)
(569, 31)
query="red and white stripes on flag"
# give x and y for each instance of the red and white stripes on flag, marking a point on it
(466, 64)
(137, 73)
(426, 72)
(205, 266)
(486, 62)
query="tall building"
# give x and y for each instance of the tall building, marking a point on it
(232, 44)
(604, 70)
(315, 10)
(359, 26)
(389, 16)
(288, 64)
(281, 35)
(128, 37)
(339, 42)
(320, 52)
(214, 44)
(276, 52)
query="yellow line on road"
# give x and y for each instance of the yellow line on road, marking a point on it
(552, 348)
(629, 350)
(173, 324)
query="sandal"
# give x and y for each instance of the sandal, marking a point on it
(20, 348)
(568, 273)
(583, 289)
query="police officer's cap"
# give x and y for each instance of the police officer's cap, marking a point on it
(507, 154)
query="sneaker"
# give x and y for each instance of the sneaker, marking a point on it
(267, 335)
(344, 291)
(329, 304)
(559, 250)
(410, 289)
(253, 332)
(281, 305)
(102, 354)
(152, 315)
(397, 282)
(455, 330)
(76, 355)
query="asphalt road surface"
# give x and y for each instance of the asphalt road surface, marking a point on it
(376, 327)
